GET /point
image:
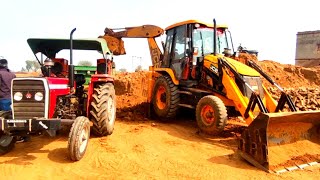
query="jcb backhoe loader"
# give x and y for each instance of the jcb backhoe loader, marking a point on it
(199, 70)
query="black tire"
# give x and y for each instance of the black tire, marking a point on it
(103, 109)
(6, 142)
(166, 99)
(211, 114)
(78, 138)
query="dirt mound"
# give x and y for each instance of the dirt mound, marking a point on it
(301, 83)
(131, 90)
(27, 74)
(291, 76)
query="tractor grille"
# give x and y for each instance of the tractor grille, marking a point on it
(28, 107)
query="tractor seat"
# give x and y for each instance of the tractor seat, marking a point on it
(80, 79)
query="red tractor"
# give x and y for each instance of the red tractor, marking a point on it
(59, 97)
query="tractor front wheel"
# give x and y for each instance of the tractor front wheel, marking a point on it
(6, 142)
(211, 114)
(78, 138)
(103, 109)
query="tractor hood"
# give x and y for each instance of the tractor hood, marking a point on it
(236, 65)
(50, 47)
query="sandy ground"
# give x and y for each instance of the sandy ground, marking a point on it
(139, 150)
(145, 149)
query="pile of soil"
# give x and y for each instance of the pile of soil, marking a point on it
(299, 82)
(131, 90)
(291, 76)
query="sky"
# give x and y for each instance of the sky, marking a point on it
(267, 26)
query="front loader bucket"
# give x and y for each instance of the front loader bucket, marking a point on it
(277, 142)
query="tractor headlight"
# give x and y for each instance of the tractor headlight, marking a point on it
(17, 96)
(38, 96)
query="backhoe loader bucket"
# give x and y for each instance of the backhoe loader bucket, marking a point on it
(278, 142)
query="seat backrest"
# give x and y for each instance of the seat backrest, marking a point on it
(62, 64)
(102, 66)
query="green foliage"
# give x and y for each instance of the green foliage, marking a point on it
(139, 68)
(85, 63)
(123, 70)
(32, 65)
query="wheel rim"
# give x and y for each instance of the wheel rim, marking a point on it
(83, 139)
(207, 115)
(161, 97)
(111, 110)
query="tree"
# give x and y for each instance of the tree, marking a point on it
(85, 63)
(32, 65)
(139, 68)
(123, 70)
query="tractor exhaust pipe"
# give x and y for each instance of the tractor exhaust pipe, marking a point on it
(214, 37)
(71, 66)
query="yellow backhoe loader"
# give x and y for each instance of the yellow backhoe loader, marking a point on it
(200, 69)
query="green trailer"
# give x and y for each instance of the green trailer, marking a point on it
(87, 71)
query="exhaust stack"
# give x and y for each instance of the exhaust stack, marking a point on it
(214, 37)
(71, 66)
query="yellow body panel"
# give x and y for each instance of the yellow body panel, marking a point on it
(194, 22)
(233, 92)
(238, 66)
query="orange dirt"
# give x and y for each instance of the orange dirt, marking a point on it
(141, 148)
(290, 76)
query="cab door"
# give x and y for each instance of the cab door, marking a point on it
(176, 47)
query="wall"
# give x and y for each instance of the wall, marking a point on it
(308, 48)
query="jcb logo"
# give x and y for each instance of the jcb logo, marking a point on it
(155, 58)
(214, 69)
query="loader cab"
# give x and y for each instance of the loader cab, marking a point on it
(187, 42)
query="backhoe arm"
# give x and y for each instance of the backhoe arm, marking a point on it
(116, 44)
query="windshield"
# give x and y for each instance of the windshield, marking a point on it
(203, 40)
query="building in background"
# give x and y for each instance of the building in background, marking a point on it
(308, 49)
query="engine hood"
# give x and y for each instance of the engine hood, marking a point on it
(237, 66)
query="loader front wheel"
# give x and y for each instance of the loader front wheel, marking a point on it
(166, 98)
(211, 114)
(78, 138)
(103, 109)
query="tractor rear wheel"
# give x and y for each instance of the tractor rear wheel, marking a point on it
(166, 98)
(78, 138)
(103, 109)
(6, 142)
(211, 114)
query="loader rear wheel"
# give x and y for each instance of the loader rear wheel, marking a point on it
(211, 114)
(103, 109)
(166, 98)
(78, 138)
(6, 142)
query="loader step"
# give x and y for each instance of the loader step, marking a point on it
(185, 92)
(188, 83)
(187, 106)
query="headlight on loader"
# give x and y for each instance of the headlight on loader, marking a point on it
(17, 96)
(38, 96)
